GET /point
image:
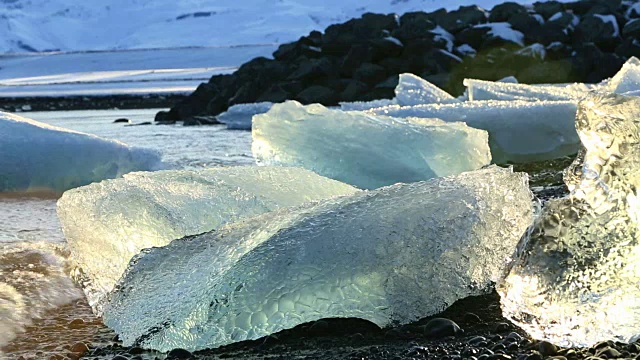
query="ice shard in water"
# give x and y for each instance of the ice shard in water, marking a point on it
(238, 117)
(107, 223)
(576, 281)
(395, 254)
(35, 156)
(490, 90)
(414, 90)
(519, 131)
(363, 150)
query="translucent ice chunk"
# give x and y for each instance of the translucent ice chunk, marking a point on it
(109, 222)
(364, 150)
(35, 156)
(575, 282)
(627, 79)
(391, 255)
(519, 131)
(238, 117)
(490, 90)
(414, 90)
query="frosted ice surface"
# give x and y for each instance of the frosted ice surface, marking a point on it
(627, 79)
(395, 254)
(363, 150)
(366, 105)
(490, 90)
(414, 90)
(238, 117)
(519, 131)
(36, 156)
(576, 279)
(107, 223)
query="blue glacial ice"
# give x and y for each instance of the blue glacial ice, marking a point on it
(118, 218)
(38, 157)
(238, 117)
(519, 131)
(364, 150)
(393, 255)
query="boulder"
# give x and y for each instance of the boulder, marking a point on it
(503, 12)
(548, 8)
(318, 94)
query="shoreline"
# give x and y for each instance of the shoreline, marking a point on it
(89, 102)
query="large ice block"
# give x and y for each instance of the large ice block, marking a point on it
(414, 90)
(109, 222)
(490, 90)
(363, 150)
(238, 117)
(35, 156)
(392, 255)
(625, 80)
(519, 131)
(576, 281)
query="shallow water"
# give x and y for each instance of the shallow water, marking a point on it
(42, 313)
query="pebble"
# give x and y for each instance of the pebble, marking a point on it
(546, 348)
(608, 352)
(179, 354)
(79, 348)
(472, 318)
(477, 340)
(441, 327)
(76, 324)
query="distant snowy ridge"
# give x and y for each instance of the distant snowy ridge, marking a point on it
(71, 25)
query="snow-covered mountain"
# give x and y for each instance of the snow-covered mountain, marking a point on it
(77, 25)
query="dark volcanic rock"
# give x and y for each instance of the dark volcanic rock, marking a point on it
(464, 17)
(414, 25)
(631, 29)
(370, 73)
(353, 61)
(593, 28)
(503, 12)
(440, 327)
(548, 8)
(318, 94)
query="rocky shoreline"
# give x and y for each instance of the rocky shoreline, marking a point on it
(64, 103)
(550, 42)
(472, 328)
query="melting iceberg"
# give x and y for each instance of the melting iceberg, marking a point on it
(575, 282)
(519, 131)
(490, 90)
(414, 90)
(107, 223)
(238, 117)
(36, 156)
(364, 150)
(391, 255)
